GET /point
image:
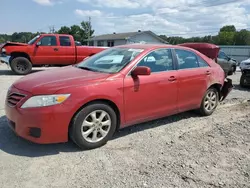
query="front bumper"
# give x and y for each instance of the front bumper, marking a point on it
(226, 89)
(4, 59)
(44, 125)
(245, 66)
(245, 77)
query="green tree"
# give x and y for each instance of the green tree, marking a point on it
(228, 28)
(80, 32)
(64, 30)
(77, 32)
(242, 37)
(226, 38)
(87, 29)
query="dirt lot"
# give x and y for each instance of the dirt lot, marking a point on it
(184, 150)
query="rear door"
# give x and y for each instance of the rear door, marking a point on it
(194, 76)
(66, 51)
(46, 50)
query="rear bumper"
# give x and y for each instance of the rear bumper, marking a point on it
(226, 89)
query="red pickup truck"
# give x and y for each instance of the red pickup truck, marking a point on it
(45, 49)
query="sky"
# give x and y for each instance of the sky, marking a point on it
(170, 17)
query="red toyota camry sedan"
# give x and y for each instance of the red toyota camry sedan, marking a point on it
(116, 88)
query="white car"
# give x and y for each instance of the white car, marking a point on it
(245, 64)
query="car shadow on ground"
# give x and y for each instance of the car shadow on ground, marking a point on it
(9, 72)
(240, 88)
(12, 144)
(15, 145)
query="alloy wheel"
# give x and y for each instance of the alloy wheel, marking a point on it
(96, 126)
(210, 101)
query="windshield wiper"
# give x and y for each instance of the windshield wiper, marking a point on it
(87, 68)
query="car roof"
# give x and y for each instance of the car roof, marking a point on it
(145, 46)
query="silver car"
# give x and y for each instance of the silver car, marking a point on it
(227, 63)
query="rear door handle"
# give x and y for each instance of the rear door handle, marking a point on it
(172, 78)
(56, 49)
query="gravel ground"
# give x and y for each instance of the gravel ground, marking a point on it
(184, 150)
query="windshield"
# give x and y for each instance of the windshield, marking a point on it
(111, 60)
(32, 41)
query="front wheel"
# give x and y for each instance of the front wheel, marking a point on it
(209, 102)
(243, 80)
(93, 126)
(21, 65)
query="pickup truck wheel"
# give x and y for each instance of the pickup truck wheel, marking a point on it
(93, 126)
(209, 102)
(21, 65)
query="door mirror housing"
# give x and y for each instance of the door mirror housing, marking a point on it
(141, 71)
(38, 43)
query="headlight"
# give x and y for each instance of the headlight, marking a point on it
(3, 50)
(45, 100)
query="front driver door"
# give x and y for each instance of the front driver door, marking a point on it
(155, 95)
(46, 52)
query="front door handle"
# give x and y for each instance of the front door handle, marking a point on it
(208, 72)
(172, 78)
(56, 49)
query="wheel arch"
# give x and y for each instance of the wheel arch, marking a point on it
(103, 101)
(19, 54)
(218, 87)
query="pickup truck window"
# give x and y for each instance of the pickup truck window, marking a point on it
(32, 41)
(48, 41)
(64, 41)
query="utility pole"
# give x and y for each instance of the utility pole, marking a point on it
(52, 29)
(89, 30)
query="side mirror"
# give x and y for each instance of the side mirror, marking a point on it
(141, 70)
(38, 43)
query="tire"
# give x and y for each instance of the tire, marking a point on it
(77, 129)
(242, 80)
(21, 65)
(232, 71)
(211, 97)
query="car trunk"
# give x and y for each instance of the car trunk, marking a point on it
(209, 50)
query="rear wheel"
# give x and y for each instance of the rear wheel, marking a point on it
(21, 65)
(93, 126)
(209, 102)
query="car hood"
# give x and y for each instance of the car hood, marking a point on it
(50, 81)
(14, 44)
(246, 61)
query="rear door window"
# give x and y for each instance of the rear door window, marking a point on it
(64, 41)
(186, 59)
